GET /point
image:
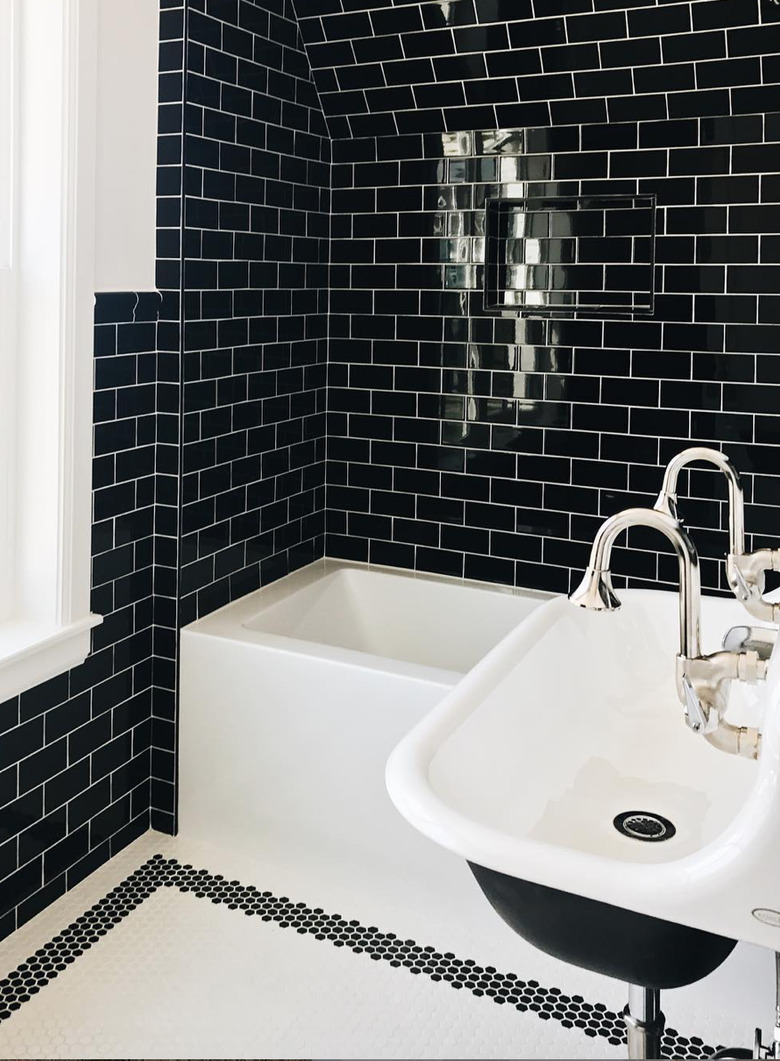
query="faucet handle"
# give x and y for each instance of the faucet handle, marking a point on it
(695, 715)
(740, 586)
(757, 639)
(746, 573)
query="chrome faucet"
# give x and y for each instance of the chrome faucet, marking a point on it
(702, 681)
(745, 571)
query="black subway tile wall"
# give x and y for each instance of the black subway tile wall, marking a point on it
(75, 751)
(170, 141)
(473, 443)
(256, 226)
(243, 261)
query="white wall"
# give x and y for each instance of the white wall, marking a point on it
(128, 34)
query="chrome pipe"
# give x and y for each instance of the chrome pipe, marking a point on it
(645, 1023)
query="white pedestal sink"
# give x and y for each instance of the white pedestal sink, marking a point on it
(574, 719)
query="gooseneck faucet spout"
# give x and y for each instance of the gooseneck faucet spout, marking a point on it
(667, 498)
(596, 592)
(745, 571)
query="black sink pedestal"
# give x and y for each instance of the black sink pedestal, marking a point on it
(647, 953)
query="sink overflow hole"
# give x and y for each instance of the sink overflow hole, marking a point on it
(643, 825)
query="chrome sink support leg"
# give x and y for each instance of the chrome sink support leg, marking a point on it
(771, 1050)
(644, 1022)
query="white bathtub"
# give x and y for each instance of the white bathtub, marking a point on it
(292, 699)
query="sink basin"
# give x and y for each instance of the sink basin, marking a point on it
(572, 721)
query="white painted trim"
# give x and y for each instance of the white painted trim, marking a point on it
(9, 25)
(77, 320)
(7, 128)
(55, 299)
(125, 201)
(32, 652)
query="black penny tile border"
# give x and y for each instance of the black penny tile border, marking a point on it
(549, 1003)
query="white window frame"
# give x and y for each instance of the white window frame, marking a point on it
(46, 354)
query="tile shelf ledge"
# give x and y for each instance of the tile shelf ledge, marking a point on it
(32, 651)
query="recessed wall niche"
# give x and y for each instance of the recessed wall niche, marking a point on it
(583, 254)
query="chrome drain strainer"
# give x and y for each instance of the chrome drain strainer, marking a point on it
(644, 825)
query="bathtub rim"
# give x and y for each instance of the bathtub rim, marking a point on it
(228, 622)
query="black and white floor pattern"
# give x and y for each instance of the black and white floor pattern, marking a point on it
(166, 964)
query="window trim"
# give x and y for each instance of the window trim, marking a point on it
(49, 628)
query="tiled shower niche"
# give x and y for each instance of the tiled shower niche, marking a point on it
(577, 254)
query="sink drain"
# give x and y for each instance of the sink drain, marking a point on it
(642, 825)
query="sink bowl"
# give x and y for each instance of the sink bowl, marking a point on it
(573, 721)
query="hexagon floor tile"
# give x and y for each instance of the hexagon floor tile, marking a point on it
(175, 961)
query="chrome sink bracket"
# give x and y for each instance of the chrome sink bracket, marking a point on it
(702, 681)
(645, 1022)
(745, 571)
